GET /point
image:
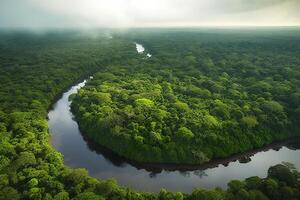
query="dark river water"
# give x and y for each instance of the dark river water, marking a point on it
(101, 163)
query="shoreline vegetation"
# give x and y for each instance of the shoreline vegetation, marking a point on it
(33, 71)
(243, 157)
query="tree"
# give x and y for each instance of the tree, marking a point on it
(282, 173)
(202, 194)
(9, 193)
(25, 159)
(76, 176)
(165, 195)
(257, 195)
(184, 133)
(253, 183)
(143, 102)
(249, 121)
(33, 183)
(107, 187)
(210, 121)
(220, 110)
(102, 97)
(235, 186)
(181, 106)
(272, 106)
(270, 187)
(88, 196)
(61, 196)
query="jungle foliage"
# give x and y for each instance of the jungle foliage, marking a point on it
(199, 97)
(36, 68)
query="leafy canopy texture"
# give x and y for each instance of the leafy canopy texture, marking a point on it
(195, 100)
(222, 78)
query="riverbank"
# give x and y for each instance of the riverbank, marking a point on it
(79, 151)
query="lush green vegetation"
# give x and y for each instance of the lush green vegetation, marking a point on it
(199, 97)
(35, 69)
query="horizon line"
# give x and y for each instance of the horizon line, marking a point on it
(145, 27)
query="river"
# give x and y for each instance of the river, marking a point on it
(140, 49)
(101, 163)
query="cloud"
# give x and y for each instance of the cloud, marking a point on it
(132, 13)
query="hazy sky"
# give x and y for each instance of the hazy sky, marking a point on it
(145, 13)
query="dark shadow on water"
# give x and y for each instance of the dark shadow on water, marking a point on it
(184, 169)
(80, 151)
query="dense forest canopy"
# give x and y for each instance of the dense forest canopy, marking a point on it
(201, 96)
(233, 83)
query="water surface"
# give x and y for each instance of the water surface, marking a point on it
(101, 163)
(140, 49)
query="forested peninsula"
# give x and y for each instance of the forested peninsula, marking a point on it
(198, 98)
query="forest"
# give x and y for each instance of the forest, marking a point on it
(203, 95)
(196, 99)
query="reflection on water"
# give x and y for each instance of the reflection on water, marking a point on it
(79, 151)
(140, 49)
